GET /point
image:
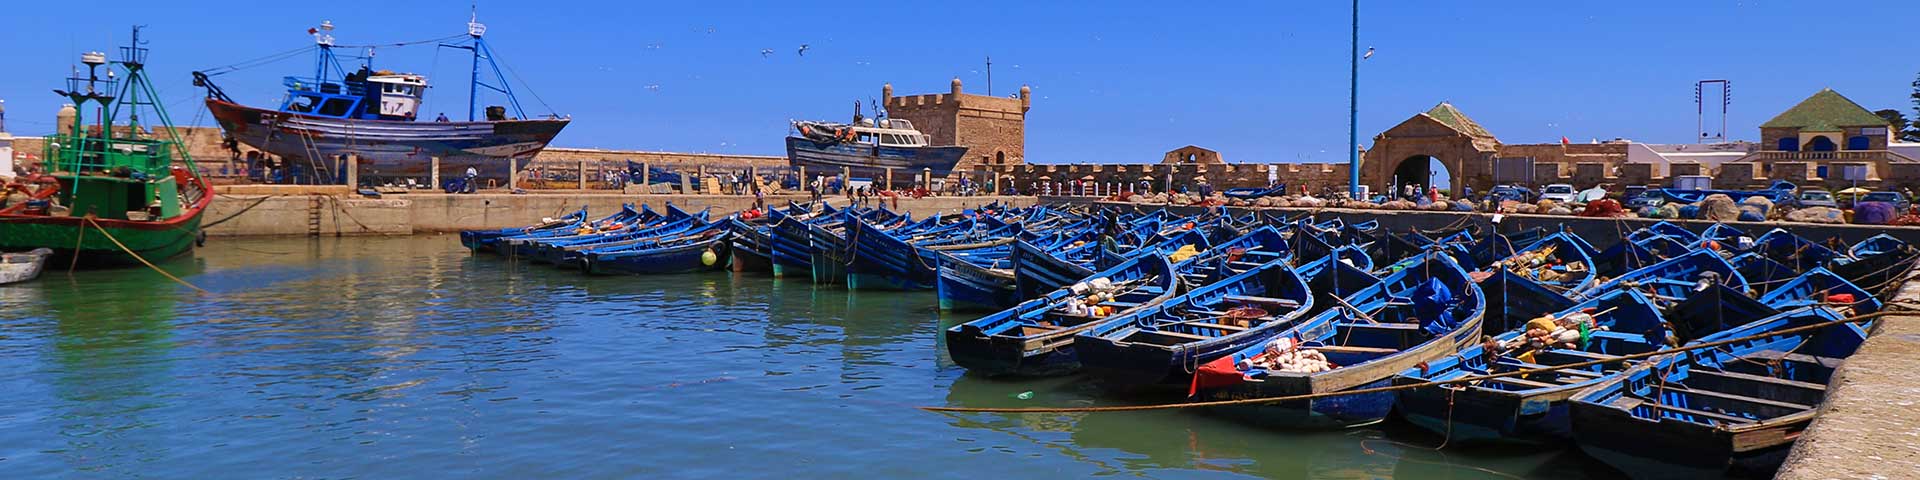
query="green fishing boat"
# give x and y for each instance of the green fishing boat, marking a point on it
(116, 190)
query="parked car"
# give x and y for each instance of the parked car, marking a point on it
(1558, 193)
(1815, 198)
(1631, 192)
(1899, 201)
(1644, 199)
(1510, 192)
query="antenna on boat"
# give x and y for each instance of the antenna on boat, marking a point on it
(323, 39)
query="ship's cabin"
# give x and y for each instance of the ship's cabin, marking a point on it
(896, 133)
(364, 95)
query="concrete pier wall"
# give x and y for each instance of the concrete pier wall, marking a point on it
(330, 213)
(1867, 427)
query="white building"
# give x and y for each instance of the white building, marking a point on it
(1708, 155)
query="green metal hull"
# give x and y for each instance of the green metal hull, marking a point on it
(164, 240)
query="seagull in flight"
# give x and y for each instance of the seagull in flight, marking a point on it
(1367, 55)
(803, 49)
(766, 52)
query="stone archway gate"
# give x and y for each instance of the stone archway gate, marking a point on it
(1443, 132)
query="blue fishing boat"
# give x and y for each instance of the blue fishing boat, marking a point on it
(701, 248)
(1673, 279)
(1629, 255)
(374, 116)
(1161, 345)
(1038, 270)
(1035, 338)
(882, 260)
(1708, 413)
(1821, 287)
(477, 240)
(1763, 273)
(1723, 233)
(1794, 251)
(789, 242)
(1535, 281)
(1416, 315)
(572, 253)
(981, 277)
(829, 247)
(526, 245)
(1530, 409)
(1664, 228)
(1876, 261)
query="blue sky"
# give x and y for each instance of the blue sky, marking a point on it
(1114, 81)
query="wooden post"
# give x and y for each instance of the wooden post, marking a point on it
(889, 177)
(846, 178)
(926, 180)
(686, 183)
(646, 177)
(353, 170)
(434, 171)
(583, 174)
(700, 179)
(513, 172)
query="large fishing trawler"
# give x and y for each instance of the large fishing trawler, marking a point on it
(373, 115)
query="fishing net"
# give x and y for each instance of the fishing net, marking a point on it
(1873, 213)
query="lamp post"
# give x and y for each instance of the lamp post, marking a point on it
(1353, 111)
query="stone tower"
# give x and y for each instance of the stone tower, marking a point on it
(993, 129)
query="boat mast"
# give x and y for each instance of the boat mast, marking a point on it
(323, 38)
(477, 32)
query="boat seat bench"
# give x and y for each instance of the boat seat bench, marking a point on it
(1262, 300)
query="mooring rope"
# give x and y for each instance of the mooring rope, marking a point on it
(136, 256)
(1311, 396)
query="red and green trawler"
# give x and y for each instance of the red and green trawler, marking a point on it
(116, 188)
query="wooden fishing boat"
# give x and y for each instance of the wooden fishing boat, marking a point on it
(527, 245)
(1713, 309)
(1530, 409)
(829, 246)
(1037, 270)
(1664, 228)
(1763, 273)
(1672, 279)
(788, 241)
(1629, 255)
(749, 245)
(1794, 251)
(1535, 281)
(1161, 345)
(981, 277)
(1417, 315)
(1035, 338)
(560, 249)
(1723, 233)
(882, 260)
(1706, 413)
(23, 266)
(574, 255)
(1821, 287)
(1876, 261)
(699, 249)
(478, 240)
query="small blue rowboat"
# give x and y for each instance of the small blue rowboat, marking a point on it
(1163, 344)
(1820, 287)
(1416, 316)
(1530, 409)
(1708, 413)
(1035, 338)
(699, 249)
(1535, 281)
(484, 239)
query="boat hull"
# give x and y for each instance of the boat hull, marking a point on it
(387, 148)
(831, 157)
(968, 287)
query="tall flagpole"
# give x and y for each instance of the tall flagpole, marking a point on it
(1353, 111)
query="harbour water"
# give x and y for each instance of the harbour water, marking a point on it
(405, 357)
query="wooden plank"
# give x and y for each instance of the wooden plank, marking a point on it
(1747, 399)
(1702, 413)
(1522, 382)
(1761, 379)
(1230, 328)
(1180, 335)
(1262, 300)
(1346, 349)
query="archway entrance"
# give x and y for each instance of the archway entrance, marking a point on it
(1820, 143)
(1420, 171)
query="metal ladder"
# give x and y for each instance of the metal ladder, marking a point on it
(313, 215)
